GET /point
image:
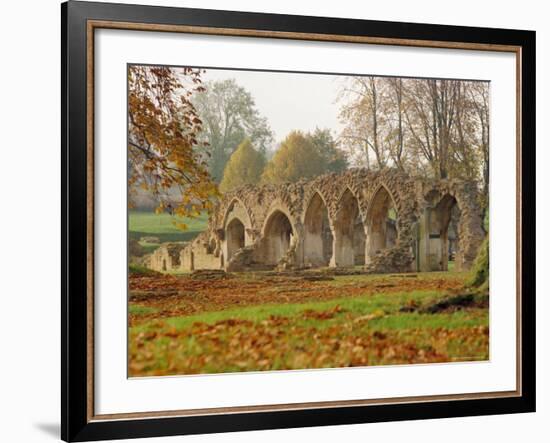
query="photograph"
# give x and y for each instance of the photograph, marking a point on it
(272, 220)
(304, 220)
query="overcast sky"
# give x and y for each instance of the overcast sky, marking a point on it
(289, 101)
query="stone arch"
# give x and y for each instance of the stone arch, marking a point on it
(318, 237)
(442, 231)
(293, 213)
(234, 237)
(382, 222)
(349, 232)
(354, 200)
(278, 236)
(448, 218)
(236, 229)
(237, 208)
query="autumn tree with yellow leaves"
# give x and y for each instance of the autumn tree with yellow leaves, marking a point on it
(245, 166)
(297, 158)
(164, 127)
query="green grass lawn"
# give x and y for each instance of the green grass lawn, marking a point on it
(367, 329)
(142, 224)
(383, 307)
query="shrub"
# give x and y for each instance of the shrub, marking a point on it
(134, 269)
(480, 269)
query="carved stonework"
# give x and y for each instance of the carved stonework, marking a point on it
(377, 220)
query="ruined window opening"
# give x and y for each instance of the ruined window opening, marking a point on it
(211, 246)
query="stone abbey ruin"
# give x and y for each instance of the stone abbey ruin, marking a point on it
(381, 221)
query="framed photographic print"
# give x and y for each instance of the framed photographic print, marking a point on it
(277, 221)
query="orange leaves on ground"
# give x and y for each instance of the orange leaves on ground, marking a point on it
(322, 315)
(308, 338)
(184, 295)
(277, 343)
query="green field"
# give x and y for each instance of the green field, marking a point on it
(163, 226)
(255, 322)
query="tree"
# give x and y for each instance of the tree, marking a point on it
(164, 128)
(431, 118)
(245, 166)
(395, 109)
(479, 99)
(365, 119)
(295, 159)
(334, 159)
(464, 157)
(429, 127)
(229, 116)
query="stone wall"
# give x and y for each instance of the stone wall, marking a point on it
(202, 253)
(381, 221)
(166, 257)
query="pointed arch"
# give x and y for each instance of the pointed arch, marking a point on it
(236, 225)
(278, 236)
(318, 237)
(381, 222)
(349, 232)
(234, 236)
(443, 224)
(237, 208)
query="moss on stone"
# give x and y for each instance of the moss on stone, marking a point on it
(480, 268)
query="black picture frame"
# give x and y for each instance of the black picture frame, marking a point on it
(76, 422)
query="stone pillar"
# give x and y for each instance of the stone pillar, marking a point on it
(343, 255)
(313, 246)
